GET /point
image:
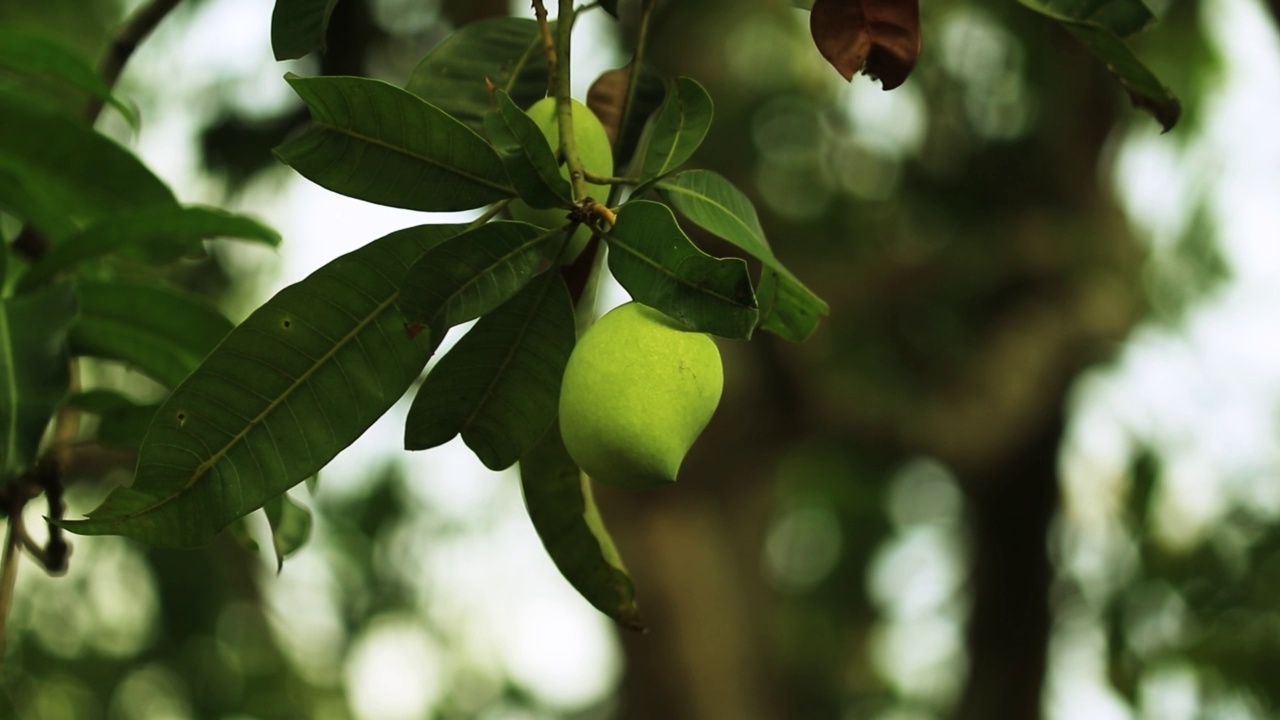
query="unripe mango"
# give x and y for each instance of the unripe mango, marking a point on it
(637, 392)
(597, 157)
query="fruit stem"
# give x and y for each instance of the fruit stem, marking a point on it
(564, 106)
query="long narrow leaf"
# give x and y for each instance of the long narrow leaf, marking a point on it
(500, 385)
(26, 53)
(154, 229)
(474, 273)
(530, 162)
(505, 52)
(299, 380)
(34, 374)
(373, 141)
(299, 26)
(657, 263)
(161, 332)
(711, 202)
(558, 497)
(674, 131)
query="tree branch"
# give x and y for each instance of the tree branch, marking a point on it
(123, 45)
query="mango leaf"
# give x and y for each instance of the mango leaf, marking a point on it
(290, 526)
(880, 38)
(1101, 25)
(153, 229)
(659, 266)
(607, 98)
(375, 142)
(67, 165)
(299, 26)
(558, 498)
(122, 423)
(474, 273)
(500, 385)
(506, 52)
(161, 332)
(299, 380)
(28, 54)
(530, 162)
(34, 371)
(711, 202)
(673, 132)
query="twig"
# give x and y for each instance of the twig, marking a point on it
(548, 44)
(633, 84)
(126, 41)
(595, 179)
(8, 575)
(564, 105)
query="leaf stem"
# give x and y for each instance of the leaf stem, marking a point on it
(123, 44)
(595, 179)
(9, 575)
(489, 214)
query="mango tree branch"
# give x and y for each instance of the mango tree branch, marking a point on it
(564, 105)
(123, 44)
(548, 44)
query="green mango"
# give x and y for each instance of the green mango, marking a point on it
(597, 157)
(637, 392)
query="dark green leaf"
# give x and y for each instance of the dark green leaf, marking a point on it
(787, 307)
(659, 266)
(34, 372)
(153, 229)
(375, 142)
(530, 162)
(290, 526)
(25, 53)
(607, 98)
(474, 273)
(67, 165)
(674, 131)
(299, 380)
(299, 26)
(500, 385)
(161, 332)
(505, 51)
(1100, 25)
(122, 423)
(558, 497)
(610, 6)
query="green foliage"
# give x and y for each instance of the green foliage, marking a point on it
(27, 54)
(530, 162)
(298, 27)
(673, 132)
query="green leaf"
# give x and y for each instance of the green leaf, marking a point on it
(474, 273)
(610, 6)
(1100, 25)
(505, 51)
(64, 164)
(299, 380)
(25, 53)
(299, 26)
(290, 526)
(34, 371)
(558, 497)
(151, 230)
(122, 423)
(711, 202)
(673, 132)
(375, 142)
(161, 332)
(530, 162)
(659, 266)
(499, 387)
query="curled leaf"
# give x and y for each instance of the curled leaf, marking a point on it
(880, 38)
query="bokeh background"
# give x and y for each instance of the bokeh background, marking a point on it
(1028, 467)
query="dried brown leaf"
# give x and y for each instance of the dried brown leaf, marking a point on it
(880, 38)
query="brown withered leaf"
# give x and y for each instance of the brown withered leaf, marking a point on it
(880, 38)
(606, 97)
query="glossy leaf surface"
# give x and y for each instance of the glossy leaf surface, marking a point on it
(299, 26)
(500, 385)
(158, 331)
(34, 372)
(375, 142)
(711, 202)
(505, 51)
(674, 131)
(530, 162)
(659, 266)
(299, 380)
(558, 498)
(474, 273)
(161, 230)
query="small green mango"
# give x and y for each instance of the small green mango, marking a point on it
(637, 392)
(597, 157)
